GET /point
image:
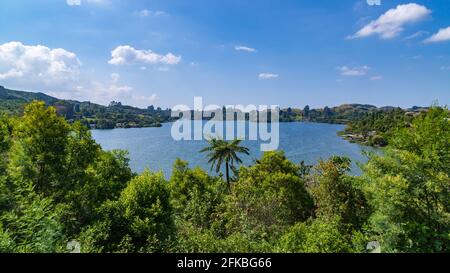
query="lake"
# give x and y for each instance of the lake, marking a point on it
(155, 149)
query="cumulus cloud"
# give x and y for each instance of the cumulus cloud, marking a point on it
(37, 63)
(111, 91)
(126, 54)
(105, 93)
(244, 48)
(442, 35)
(268, 76)
(353, 71)
(392, 23)
(58, 72)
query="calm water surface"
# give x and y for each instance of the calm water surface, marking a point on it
(155, 149)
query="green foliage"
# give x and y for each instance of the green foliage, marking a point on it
(335, 115)
(101, 181)
(57, 163)
(110, 173)
(408, 187)
(191, 240)
(31, 226)
(376, 127)
(141, 220)
(58, 185)
(321, 235)
(268, 197)
(39, 149)
(5, 141)
(336, 195)
(195, 195)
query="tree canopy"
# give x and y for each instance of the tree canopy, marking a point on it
(58, 186)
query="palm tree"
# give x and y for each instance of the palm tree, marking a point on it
(220, 151)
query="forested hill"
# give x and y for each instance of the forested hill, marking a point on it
(93, 115)
(12, 101)
(343, 114)
(117, 115)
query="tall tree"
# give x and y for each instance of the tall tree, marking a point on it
(220, 151)
(39, 147)
(306, 111)
(335, 193)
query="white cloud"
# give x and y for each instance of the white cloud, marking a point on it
(353, 71)
(376, 78)
(416, 35)
(144, 13)
(244, 48)
(147, 13)
(145, 99)
(391, 23)
(126, 54)
(37, 64)
(105, 93)
(442, 35)
(58, 73)
(80, 2)
(159, 13)
(97, 92)
(268, 76)
(163, 69)
(73, 2)
(115, 77)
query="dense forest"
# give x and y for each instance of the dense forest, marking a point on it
(376, 127)
(60, 192)
(342, 114)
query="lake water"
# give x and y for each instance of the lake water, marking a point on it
(155, 149)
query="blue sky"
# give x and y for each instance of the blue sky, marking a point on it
(283, 52)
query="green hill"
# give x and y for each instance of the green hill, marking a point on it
(97, 116)
(12, 101)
